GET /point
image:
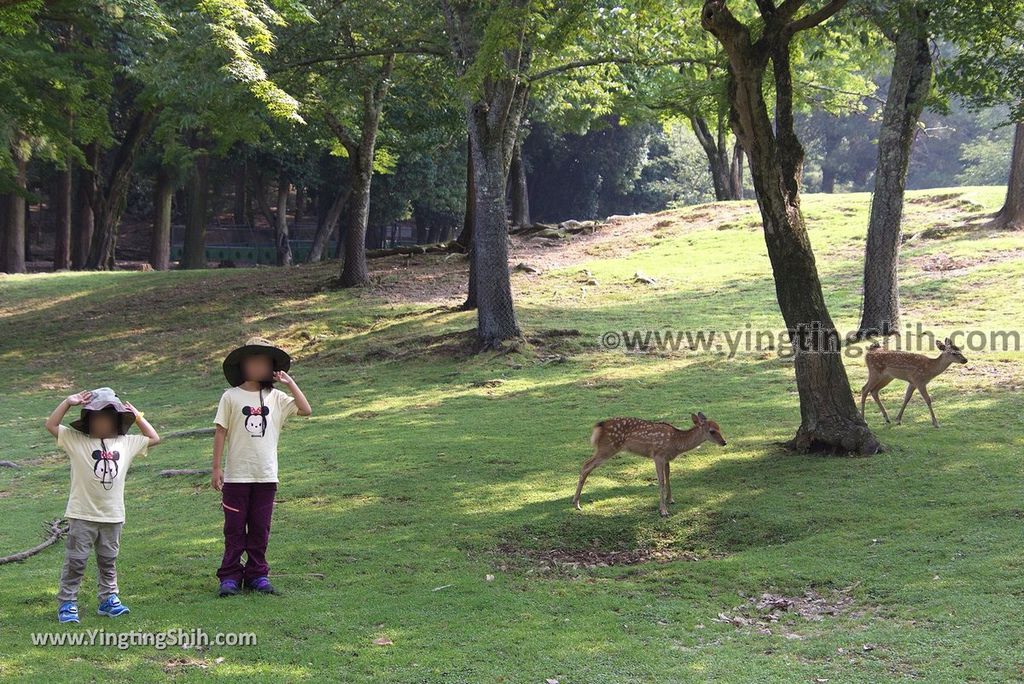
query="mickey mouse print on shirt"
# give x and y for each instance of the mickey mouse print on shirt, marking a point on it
(256, 419)
(105, 468)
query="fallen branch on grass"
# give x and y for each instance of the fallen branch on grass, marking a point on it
(55, 529)
(452, 246)
(184, 471)
(9, 464)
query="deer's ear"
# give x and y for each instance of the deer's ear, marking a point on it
(700, 414)
(941, 346)
(695, 419)
(949, 342)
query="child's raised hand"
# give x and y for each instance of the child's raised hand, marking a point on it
(79, 398)
(281, 376)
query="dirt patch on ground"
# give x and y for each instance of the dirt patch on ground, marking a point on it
(551, 345)
(771, 613)
(570, 560)
(945, 264)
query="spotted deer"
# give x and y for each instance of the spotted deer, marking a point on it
(886, 365)
(658, 441)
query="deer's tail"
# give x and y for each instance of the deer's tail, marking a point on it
(596, 434)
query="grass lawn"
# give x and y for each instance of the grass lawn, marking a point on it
(426, 501)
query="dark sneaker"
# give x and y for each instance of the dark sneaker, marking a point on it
(261, 585)
(67, 612)
(228, 588)
(112, 607)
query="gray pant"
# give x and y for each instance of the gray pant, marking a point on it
(83, 536)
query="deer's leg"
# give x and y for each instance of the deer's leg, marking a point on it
(906, 400)
(601, 454)
(928, 400)
(668, 482)
(864, 392)
(874, 395)
(659, 467)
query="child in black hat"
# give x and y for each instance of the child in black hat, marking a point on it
(249, 420)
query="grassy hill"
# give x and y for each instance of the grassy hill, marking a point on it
(427, 499)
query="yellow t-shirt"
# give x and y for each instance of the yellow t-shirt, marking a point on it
(250, 446)
(97, 476)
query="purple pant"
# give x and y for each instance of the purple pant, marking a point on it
(248, 507)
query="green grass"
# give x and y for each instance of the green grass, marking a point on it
(423, 468)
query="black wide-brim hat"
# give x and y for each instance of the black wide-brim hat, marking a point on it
(104, 398)
(255, 346)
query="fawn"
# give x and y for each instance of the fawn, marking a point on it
(885, 365)
(658, 441)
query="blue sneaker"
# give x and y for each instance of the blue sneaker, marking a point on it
(262, 585)
(112, 607)
(228, 587)
(67, 612)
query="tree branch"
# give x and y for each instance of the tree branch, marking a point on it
(815, 18)
(597, 61)
(431, 50)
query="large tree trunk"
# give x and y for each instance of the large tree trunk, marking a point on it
(489, 124)
(829, 418)
(465, 238)
(281, 240)
(62, 201)
(354, 269)
(197, 199)
(160, 238)
(108, 201)
(83, 220)
(327, 226)
(908, 89)
(520, 196)
(1012, 213)
(14, 236)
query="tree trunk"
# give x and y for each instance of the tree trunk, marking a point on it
(828, 179)
(14, 236)
(160, 238)
(1012, 214)
(327, 227)
(197, 199)
(241, 198)
(465, 238)
(829, 418)
(281, 241)
(354, 270)
(908, 89)
(736, 172)
(718, 162)
(62, 220)
(83, 219)
(520, 198)
(108, 201)
(496, 319)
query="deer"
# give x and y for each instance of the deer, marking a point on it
(660, 442)
(886, 365)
